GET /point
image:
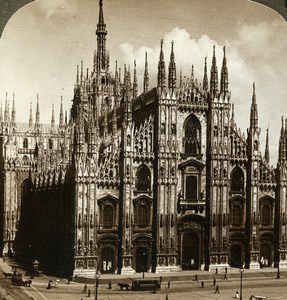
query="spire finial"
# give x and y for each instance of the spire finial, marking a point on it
(161, 68)
(146, 75)
(31, 116)
(205, 78)
(13, 114)
(172, 70)
(253, 111)
(53, 116)
(214, 75)
(37, 111)
(224, 75)
(61, 118)
(135, 84)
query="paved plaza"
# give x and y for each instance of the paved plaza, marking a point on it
(182, 286)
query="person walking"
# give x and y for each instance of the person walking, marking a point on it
(217, 290)
(225, 276)
(202, 284)
(168, 284)
(236, 295)
(214, 282)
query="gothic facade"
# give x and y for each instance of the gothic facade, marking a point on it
(158, 182)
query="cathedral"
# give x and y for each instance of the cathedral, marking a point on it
(162, 181)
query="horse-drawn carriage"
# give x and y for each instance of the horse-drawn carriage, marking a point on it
(17, 279)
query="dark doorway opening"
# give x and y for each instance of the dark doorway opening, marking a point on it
(190, 251)
(236, 261)
(265, 255)
(141, 259)
(108, 260)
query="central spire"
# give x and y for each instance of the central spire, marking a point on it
(101, 32)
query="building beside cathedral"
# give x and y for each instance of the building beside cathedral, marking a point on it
(158, 182)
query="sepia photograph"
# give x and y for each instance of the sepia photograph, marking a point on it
(143, 149)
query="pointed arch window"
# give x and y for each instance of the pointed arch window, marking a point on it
(192, 136)
(25, 143)
(108, 216)
(237, 181)
(143, 179)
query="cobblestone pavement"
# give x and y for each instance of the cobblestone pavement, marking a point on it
(182, 286)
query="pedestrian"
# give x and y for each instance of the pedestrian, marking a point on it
(195, 278)
(160, 279)
(85, 288)
(214, 282)
(225, 276)
(89, 293)
(216, 271)
(226, 270)
(236, 295)
(168, 284)
(202, 284)
(49, 285)
(217, 290)
(110, 285)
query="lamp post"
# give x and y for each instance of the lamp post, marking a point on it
(97, 276)
(278, 269)
(241, 275)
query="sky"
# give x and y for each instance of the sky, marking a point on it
(43, 43)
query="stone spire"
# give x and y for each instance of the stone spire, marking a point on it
(282, 144)
(253, 110)
(146, 76)
(224, 75)
(31, 116)
(37, 112)
(61, 118)
(13, 114)
(135, 83)
(213, 76)
(101, 33)
(267, 154)
(172, 70)
(6, 110)
(205, 78)
(53, 117)
(161, 69)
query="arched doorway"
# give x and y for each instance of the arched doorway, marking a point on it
(265, 255)
(141, 259)
(190, 251)
(108, 260)
(142, 253)
(236, 259)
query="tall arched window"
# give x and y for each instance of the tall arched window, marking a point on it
(265, 215)
(192, 136)
(25, 143)
(142, 216)
(236, 215)
(50, 144)
(191, 188)
(237, 181)
(108, 215)
(143, 179)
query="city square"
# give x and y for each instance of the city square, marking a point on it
(182, 286)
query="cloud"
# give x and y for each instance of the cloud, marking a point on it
(250, 58)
